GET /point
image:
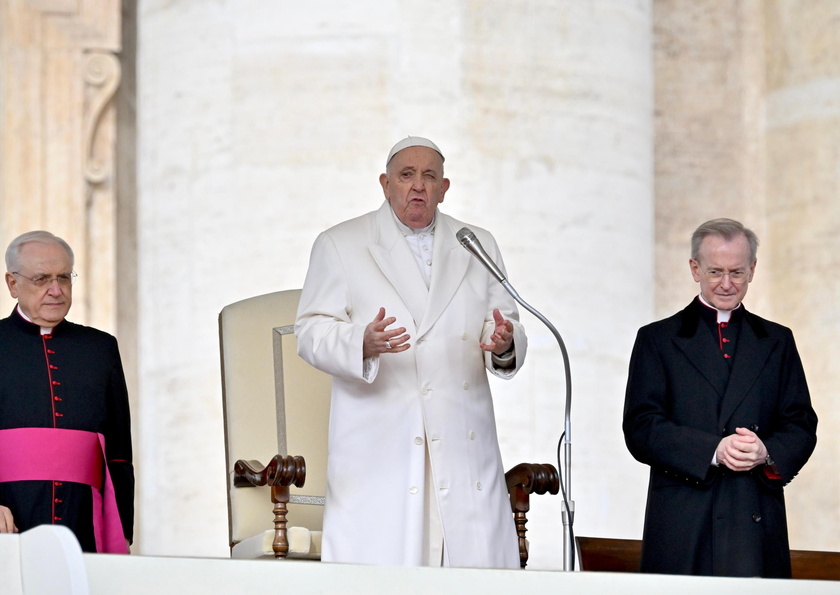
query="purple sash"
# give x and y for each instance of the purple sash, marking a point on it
(51, 454)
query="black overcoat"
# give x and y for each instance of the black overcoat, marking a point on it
(70, 379)
(681, 400)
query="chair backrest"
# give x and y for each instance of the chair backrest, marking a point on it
(274, 403)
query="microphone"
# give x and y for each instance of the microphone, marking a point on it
(471, 243)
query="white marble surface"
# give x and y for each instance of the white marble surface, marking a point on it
(175, 576)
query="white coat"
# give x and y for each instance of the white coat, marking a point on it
(437, 391)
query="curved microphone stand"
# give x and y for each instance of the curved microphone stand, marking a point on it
(467, 239)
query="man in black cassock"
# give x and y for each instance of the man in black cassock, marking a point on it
(718, 406)
(65, 432)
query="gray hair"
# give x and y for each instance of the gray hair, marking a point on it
(728, 229)
(44, 237)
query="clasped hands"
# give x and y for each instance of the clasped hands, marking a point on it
(741, 451)
(380, 339)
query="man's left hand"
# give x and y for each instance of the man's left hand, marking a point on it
(502, 337)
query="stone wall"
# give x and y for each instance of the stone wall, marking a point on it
(803, 231)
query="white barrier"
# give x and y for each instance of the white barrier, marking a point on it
(44, 560)
(176, 576)
(48, 560)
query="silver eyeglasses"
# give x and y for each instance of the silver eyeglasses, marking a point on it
(42, 281)
(737, 276)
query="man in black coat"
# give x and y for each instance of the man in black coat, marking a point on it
(718, 406)
(65, 431)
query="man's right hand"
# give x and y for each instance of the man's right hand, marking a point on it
(7, 521)
(379, 340)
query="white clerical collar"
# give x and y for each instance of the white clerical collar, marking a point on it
(722, 315)
(407, 231)
(44, 330)
(421, 242)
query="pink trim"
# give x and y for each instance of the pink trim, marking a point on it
(50, 454)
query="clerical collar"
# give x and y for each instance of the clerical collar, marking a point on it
(408, 231)
(722, 315)
(421, 242)
(44, 330)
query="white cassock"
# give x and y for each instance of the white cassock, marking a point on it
(388, 412)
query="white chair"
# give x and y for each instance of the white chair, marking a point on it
(274, 404)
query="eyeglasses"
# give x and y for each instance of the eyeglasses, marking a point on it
(736, 277)
(42, 281)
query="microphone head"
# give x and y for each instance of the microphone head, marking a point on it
(471, 243)
(465, 235)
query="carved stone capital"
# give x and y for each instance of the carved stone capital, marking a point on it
(102, 77)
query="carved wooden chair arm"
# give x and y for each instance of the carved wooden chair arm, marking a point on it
(522, 481)
(280, 473)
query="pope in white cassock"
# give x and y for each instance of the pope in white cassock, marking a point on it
(407, 322)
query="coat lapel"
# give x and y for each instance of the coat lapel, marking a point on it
(393, 257)
(697, 345)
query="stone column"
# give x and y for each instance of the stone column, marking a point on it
(58, 74)
(557, 134)
(709, 154)
(803, 232)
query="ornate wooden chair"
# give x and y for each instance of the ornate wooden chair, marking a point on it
(276, 409)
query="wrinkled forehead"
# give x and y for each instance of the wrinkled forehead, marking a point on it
(42, 254)
(715, 247)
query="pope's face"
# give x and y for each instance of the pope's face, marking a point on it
(414, 185)
(49, 304)
(719, 262)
